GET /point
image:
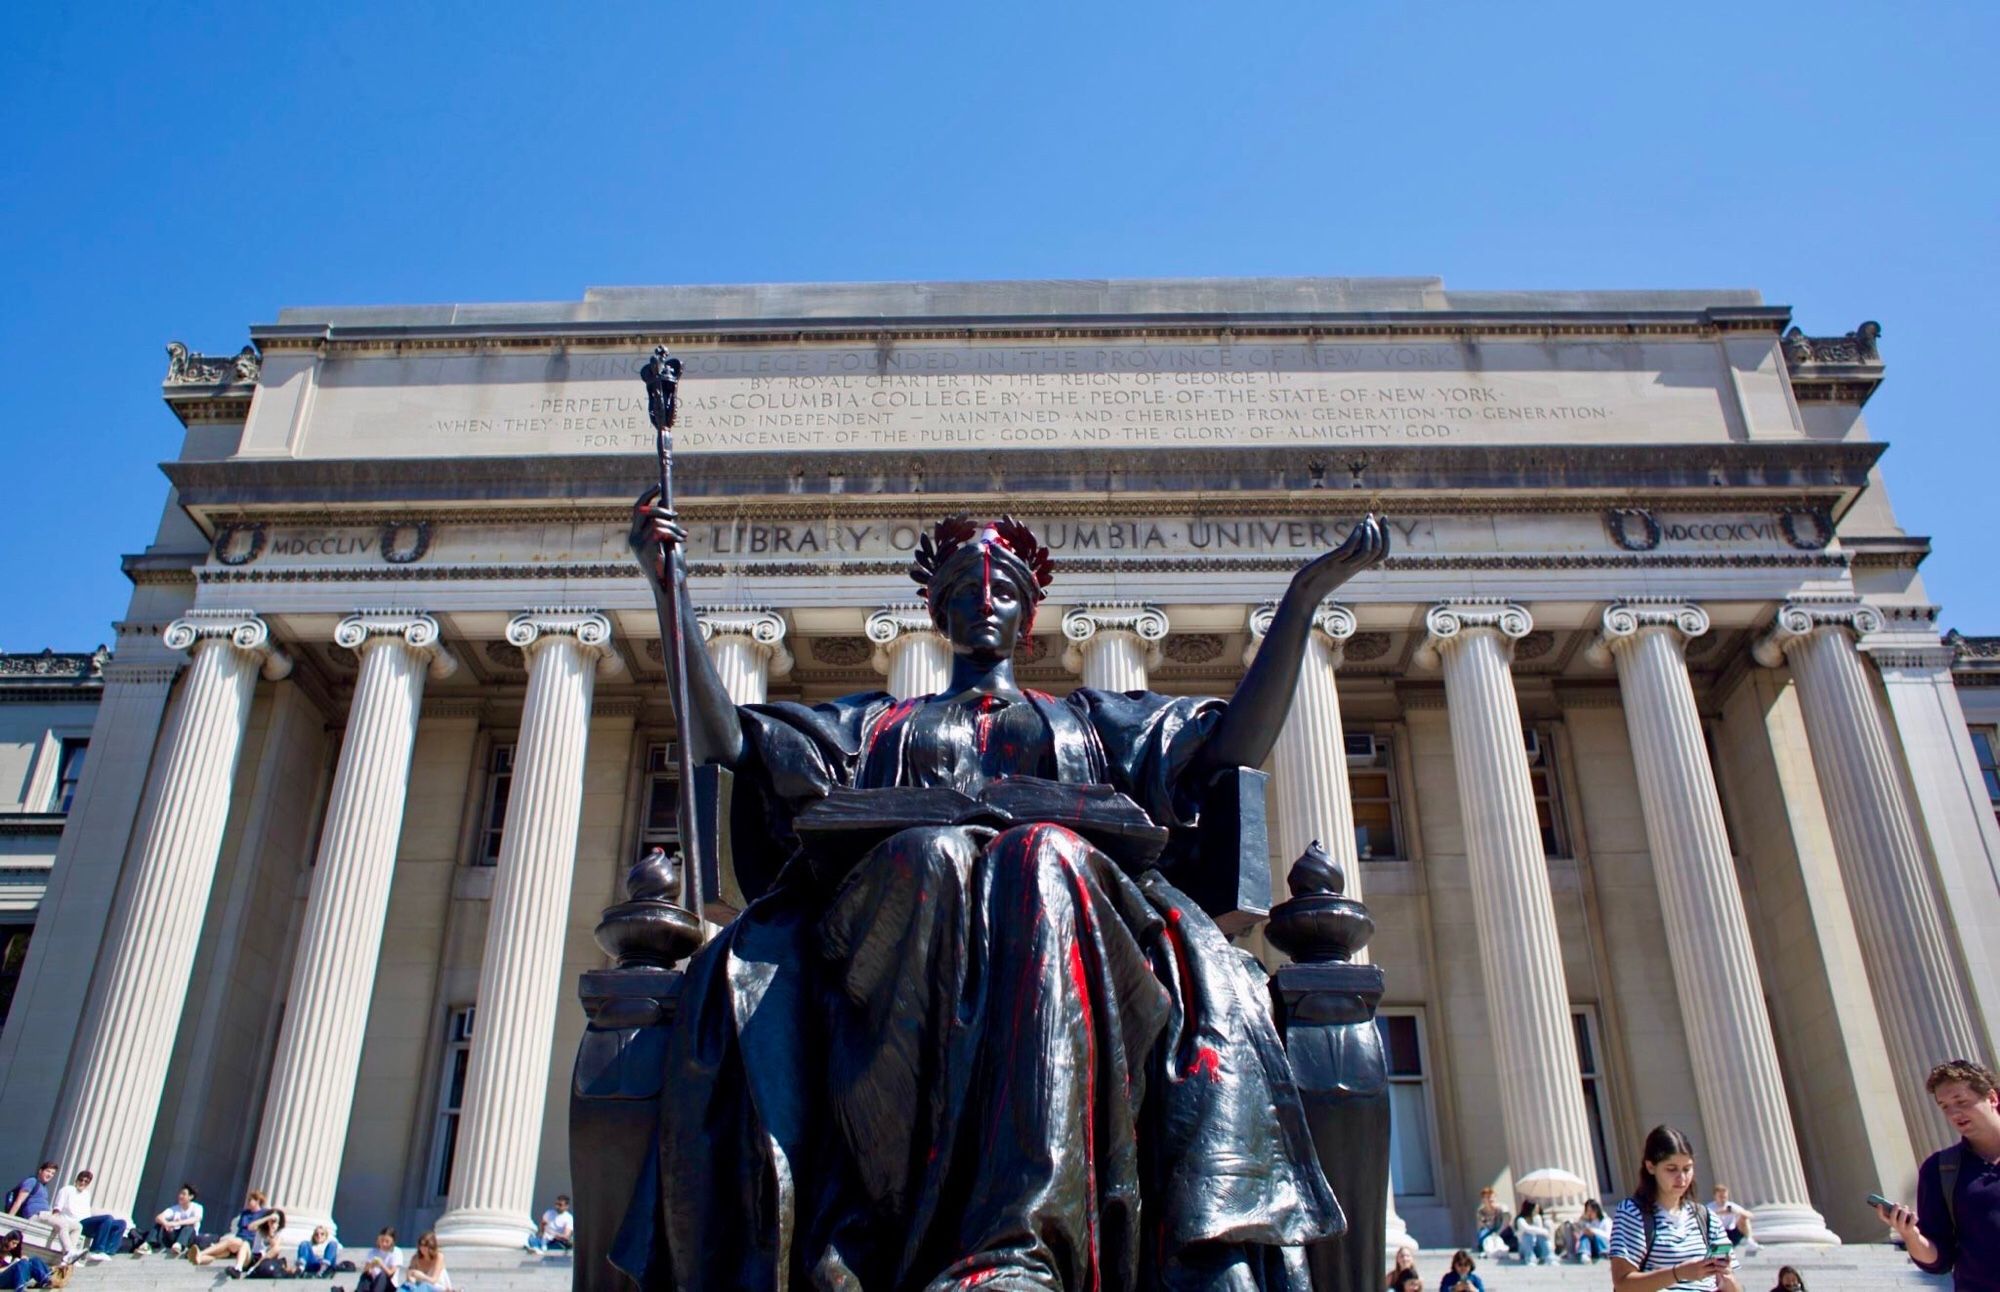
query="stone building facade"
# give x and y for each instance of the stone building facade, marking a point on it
(1643, 747)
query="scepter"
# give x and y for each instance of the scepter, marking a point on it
(662, 375)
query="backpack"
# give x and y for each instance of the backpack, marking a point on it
(1653, 1225)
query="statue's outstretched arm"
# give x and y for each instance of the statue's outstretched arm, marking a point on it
(1244, 736)
(712, 732)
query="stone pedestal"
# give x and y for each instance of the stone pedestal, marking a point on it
(126, 1039)
(1527, 999)
(909, 651)
(1113, 646)
(1326, 1012)
(311, 1093)
(499, 1138)
(1920, 995)
(747, 647)
(1751, 1146)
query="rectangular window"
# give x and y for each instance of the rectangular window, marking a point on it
(451, 1099)
(69, 772)
(1585, 1022)
(13, 954)
(1412, 1162)
(660, 804)
(493, 819)
(1371, 787)
(1985, 742)
(1548, 800)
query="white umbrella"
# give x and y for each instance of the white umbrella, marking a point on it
(1550, 1184)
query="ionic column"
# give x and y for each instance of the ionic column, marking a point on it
(909, 650)
(747, 647)
(118, 1071)
(311, 1094)
(1112, 646)
(520, 977)
(1527, 1000)
(1920, 997)
(1309, 762)
(1743, 1104)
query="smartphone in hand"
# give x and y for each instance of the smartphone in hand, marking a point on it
(1877, 1200)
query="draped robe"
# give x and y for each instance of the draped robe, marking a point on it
(976, 1057)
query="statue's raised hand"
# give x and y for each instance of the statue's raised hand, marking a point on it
(656, 531)
(1366, 544)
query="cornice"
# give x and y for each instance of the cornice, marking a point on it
(603, 484)
(620, 571)
(392, 339)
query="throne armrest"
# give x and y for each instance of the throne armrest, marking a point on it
(1228, 872)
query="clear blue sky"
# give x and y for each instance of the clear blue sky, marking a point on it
(181, 171)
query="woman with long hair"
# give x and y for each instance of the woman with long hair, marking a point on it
(1662, 1240)
(1406, 1259)
(18, 1269)
(1789, 1280)
(1590, 1237)
(1533, 1233)
(426, 1272)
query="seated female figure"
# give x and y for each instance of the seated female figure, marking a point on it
(1005, 1054)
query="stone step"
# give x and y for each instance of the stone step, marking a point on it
(1875, 1267)
(1872, 1268)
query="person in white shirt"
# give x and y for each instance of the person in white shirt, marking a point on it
(175, 1229)
(65, 1217)
(380, 1264)
(1734, 1219)
(558, 1231)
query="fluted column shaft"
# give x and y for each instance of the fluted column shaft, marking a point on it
(1309, 790)
(1751, 1145)
(118, 1071)
(520, 975)
(747, 649)
(1112, 647)
(1527, 999)
(311, 1093)
(1920, 996)
(910, 650)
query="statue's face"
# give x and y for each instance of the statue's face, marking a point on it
(981, 611)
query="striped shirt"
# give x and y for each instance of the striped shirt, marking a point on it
(1678, 1238)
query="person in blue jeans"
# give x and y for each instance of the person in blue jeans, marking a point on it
(18, 1269)
(319, 1255)
(1533, 1235)
(1591, 1236)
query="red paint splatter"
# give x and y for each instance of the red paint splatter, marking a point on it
(1207, 1063)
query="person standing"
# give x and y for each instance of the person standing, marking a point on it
(177, 1228)
(1955, 1228)
(1661, 1238)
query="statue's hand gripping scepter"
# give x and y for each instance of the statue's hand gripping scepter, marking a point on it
(662, 375)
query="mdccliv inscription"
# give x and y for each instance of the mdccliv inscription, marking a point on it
(975, 1021)
(926, 395)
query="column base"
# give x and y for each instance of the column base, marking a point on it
(1395, 1237)
(482, 1227)
(1782, 1222)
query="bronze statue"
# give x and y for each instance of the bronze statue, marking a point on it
(971, 1031)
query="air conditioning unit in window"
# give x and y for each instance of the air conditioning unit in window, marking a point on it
(1360, 750)
(1534, 743)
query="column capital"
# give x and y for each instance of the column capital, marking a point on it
(531, 629)
(240, 628)
(1080, 624)
(364, 630)
(761, 626)
(1803, 616)
(1331, 620)
(894, 623)
(1624, 620)
(1449, 621)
